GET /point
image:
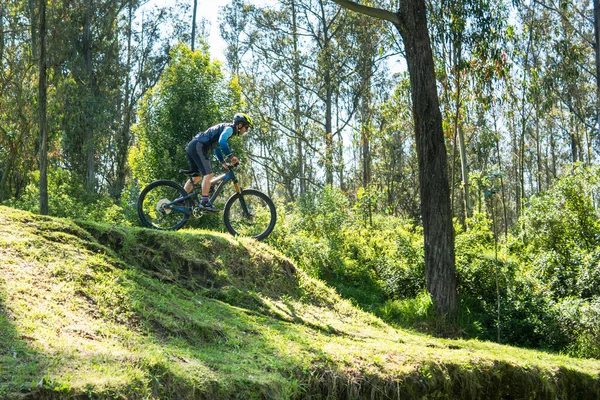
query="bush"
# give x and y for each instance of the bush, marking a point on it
(409, 313)
(560, 229)
(365, 263)
(579, 321)
(500, 299)
(68, 198)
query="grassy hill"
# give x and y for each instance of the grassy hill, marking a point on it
(89, 310)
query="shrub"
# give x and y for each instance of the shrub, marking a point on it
(365, 263)
(579, 321)
(560, 229)
(410, 312)
(68, 198)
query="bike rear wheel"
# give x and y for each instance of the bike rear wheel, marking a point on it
(250, 213)
(158, 209)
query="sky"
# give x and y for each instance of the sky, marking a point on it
(209, 10)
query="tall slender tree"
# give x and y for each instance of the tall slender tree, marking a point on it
(411, 22)
(193, 39)
(42, 104)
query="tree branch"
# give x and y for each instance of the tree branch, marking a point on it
(370, 11)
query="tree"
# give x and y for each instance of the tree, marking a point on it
(145, 58)
(191, 95)
(43, 101)
(193, 40)
(18, 86)
(411, 22)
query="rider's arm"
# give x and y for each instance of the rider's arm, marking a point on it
(223, 148)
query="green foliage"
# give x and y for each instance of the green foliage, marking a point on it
(366, 263)
(68, 198)
(540, 288)
(191, 96)
(560, 230)
(579, 321)
(500, 300)
(410, 312)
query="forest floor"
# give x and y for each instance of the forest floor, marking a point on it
(90, 310)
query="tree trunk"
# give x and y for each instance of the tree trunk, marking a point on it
(42, 113)
(34, 39)
(597, 48)
(366, 72)
(7, 171)
(89, 139)
(458, 127)
(1, 32)
(193, 39)
(297, 110)
(328, 131)
(573, 137)
(365, 141)
(440, 269)
(124, 137)
(431, 152)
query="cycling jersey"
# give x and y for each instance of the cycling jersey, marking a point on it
(215, 138)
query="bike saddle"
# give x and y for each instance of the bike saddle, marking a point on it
(190, 173)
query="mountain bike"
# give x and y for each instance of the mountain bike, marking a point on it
(165, 205)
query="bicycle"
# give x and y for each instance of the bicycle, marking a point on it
(165, 205)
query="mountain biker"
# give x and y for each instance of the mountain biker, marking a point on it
(214, 138)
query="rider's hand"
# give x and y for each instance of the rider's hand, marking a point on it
(234, 160)
(225, 165)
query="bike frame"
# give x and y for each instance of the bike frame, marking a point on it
(221, 180)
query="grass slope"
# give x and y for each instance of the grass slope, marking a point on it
(104, 312)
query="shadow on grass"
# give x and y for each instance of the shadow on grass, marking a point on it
(20, 365)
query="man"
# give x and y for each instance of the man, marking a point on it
(214, 138)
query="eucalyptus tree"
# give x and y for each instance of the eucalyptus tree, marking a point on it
(193, 38)
(305, 85)
(571, 67)
(2, 12)
(577, 29)
(273, 82)
(527, 62)
(43, 102)
(371, 85)
(328, 28)
(393, 153)
(101, 77)
(553, 95)
(468, 41)
(86, 54)
(410, 19)
(143, 56)
(235, 18)
(18, 139)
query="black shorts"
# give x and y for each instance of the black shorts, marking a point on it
(197, 155)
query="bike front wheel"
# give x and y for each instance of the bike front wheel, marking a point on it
(159, 208)
(250, 213)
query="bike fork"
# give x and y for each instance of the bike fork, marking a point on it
(245, 210)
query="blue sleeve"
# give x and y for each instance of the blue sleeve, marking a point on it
(223, 146)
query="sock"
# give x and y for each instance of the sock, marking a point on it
(204, 199)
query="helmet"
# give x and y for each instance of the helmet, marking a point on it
(243, 118)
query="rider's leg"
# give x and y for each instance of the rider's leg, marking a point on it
(197, 155)
(206, 184)
(189, 185)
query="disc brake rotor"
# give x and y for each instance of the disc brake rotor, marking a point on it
(160, 206)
